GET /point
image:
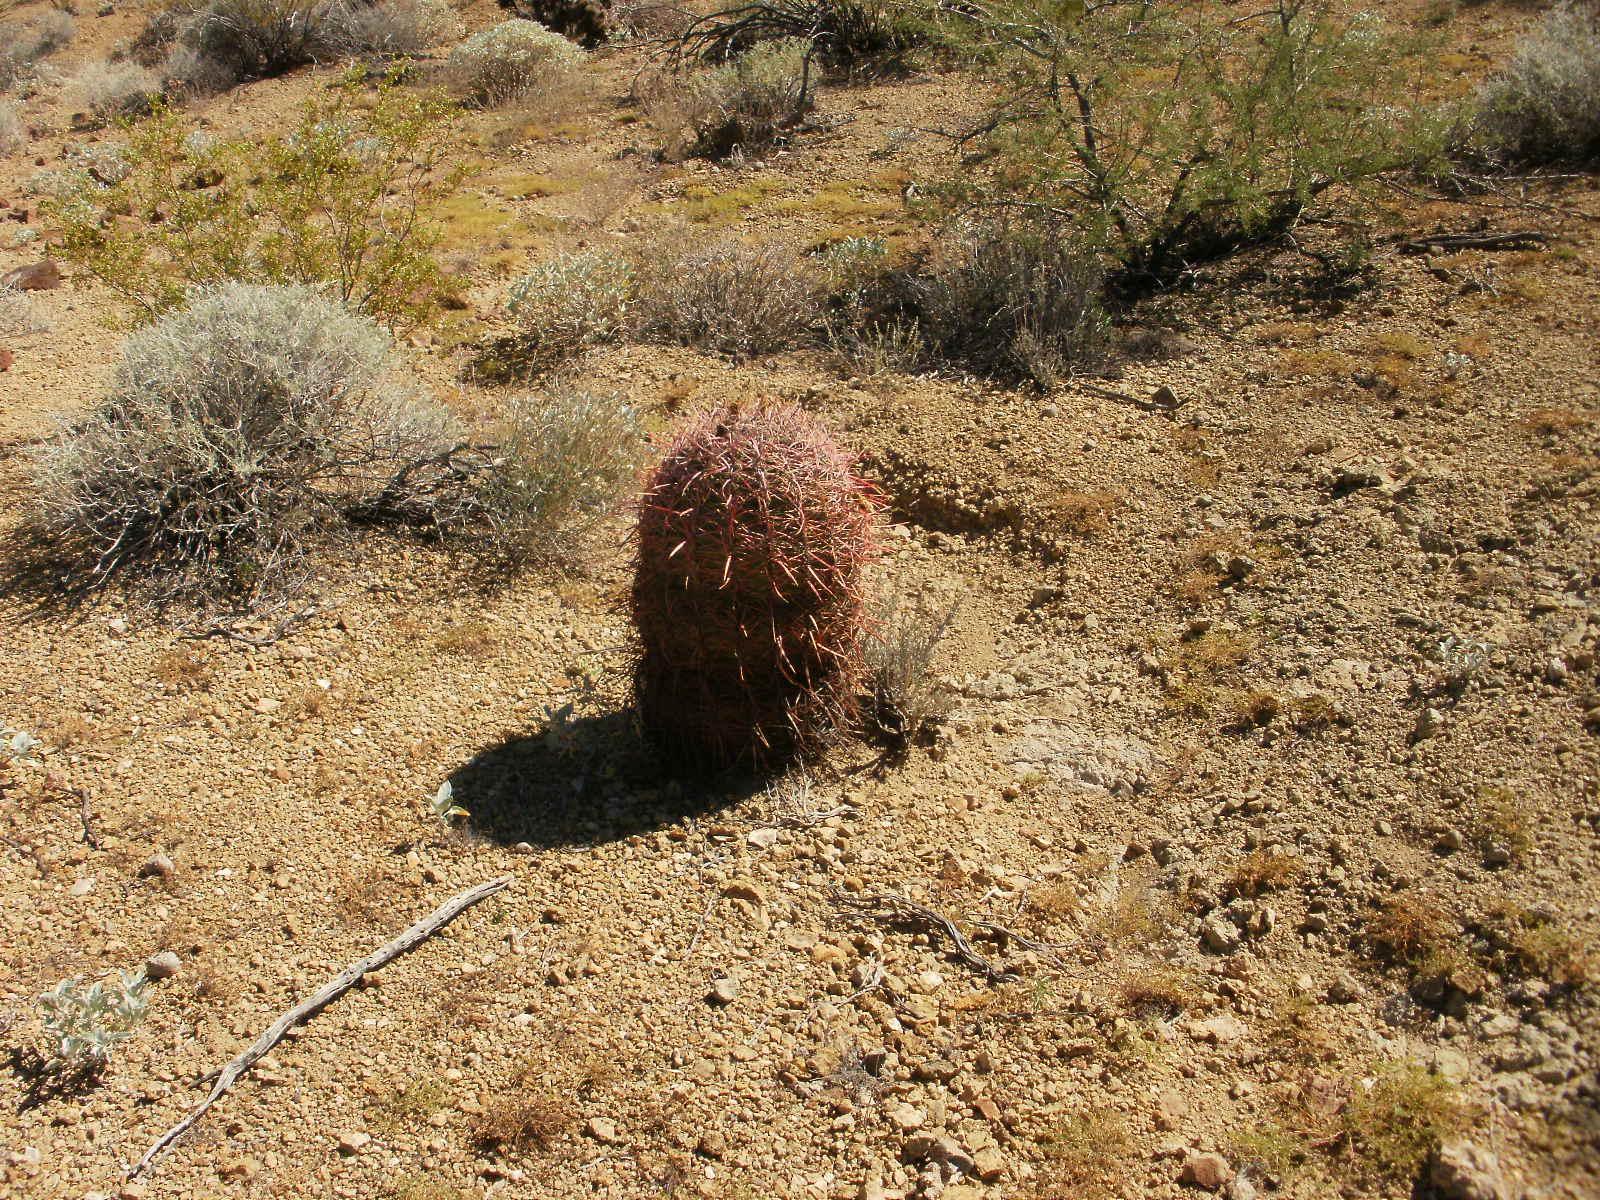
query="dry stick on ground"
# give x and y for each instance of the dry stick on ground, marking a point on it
(891, 906)
(324, 996)
(1520, 240)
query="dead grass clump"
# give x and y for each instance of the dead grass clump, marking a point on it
(1263, 871)
(1086, 514)
(1530, 943)
(184, 670)
(1411, 930)
(908, 697)
(1504, 827)
(471, 639)
(522, 1119)
(1402, 345)
(1087, 1155)
(1253, 709)
(1162, 992)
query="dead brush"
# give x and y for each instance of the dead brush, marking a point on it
(1263, 871)
(908, 699)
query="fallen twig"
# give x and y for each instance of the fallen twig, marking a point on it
(1003, 934)
(231, 631)
(1123, 397)
(324, 996)
(890, 906)
(1518, 240)
(699, 930)
(86, 817)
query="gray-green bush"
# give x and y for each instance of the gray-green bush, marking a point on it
(233, 430)
(24, 43)
(13, 133)
(729, 296)
(744, 106)
(1545, 106)
(510, 60)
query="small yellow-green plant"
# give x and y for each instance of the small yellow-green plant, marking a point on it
(343, 202)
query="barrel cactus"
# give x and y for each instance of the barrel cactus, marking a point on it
(754, 537)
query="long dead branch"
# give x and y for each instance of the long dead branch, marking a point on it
(1518, 240)
(323, 996)
(895, 908)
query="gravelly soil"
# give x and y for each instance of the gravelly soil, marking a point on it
(1234, 688)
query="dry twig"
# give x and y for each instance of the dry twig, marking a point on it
(895, 908)
(309, 1007)
(1518, 240)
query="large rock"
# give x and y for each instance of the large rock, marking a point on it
(35, 277)
(1463, 1170)
(1208, 1171)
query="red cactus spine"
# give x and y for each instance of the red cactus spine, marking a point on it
(754, 537)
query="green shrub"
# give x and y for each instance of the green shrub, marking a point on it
(233, 430)
(1164, 138)
(1545, 106)
(745, 106)
(345, 201)
(511, 60)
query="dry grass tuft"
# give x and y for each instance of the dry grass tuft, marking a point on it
(1263, 871)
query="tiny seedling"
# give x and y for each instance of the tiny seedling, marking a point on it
(444, 803)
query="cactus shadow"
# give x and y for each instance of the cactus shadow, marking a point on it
(582, 781)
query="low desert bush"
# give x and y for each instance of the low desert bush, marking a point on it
(510, 60)
(25, 43)
(112, 90)
(210, 45)
(18, 314)
(907, 696)
(745, 106)
(1545, 106)
(570, 302)
(344, 200)
(85, 1022)
(565, 458)
(392, 27)
(859, 36)
(233, 430)
(1012, 300)
(729, 296)
(13, 133)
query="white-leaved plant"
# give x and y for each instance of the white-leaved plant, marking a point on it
(84, 1022)
(444, 803)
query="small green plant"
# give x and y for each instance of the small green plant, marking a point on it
(1087, 1152)
(1395, 1119)
(345, 201)
(444, 804)
(16, 745)
(86, 1022)
(510, 60)
(907, 697)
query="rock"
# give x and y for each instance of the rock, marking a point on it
(1220, 1029)
(1164, 397)
(711, 1144)
(989, 1164)
(239, 1168)
(6, 359)
(1463, 1170)
(35, 277)
(353, 1142)
(1450, 841)
(724, 991)
(746, 890)
(162, 966)
(762, 839)
(1344, 990)
(1208, 1171)
(1241, 1189)
(904, 1117)
(159, 865)
(603, 1129)
(1220, 934)
(1171, 1109)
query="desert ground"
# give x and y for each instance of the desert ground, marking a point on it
(1266, 793)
